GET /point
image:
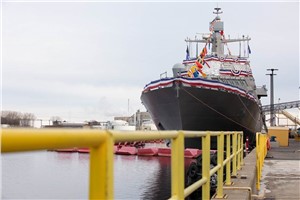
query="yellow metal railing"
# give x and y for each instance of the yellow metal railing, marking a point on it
(101, 144)
(261, 153)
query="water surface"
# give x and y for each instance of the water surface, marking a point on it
(54, 175)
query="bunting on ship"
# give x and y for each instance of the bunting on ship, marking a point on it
(200, 83)
(221, 59)
(230, 72)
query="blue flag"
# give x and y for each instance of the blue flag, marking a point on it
(187, 53)
(249, 50)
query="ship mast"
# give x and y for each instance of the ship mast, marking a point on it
(217, 28)
(216, 38)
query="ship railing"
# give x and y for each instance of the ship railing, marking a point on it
(101, 142)
(261, 153)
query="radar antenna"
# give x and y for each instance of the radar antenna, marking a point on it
(217, 11)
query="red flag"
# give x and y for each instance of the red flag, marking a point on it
(199, 65)
(203, 52)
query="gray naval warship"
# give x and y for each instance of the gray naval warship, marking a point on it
(210, 91)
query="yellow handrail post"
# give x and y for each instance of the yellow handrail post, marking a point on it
(206, 165)
(228, 177)
(177, 166)
(266, 150)
(257, 162)
(242, 152)
(101, 170)
(220, 173)
(261, 142)
(234, 170)
(264, 146)
(238, 149)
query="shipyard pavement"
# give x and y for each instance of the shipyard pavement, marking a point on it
(281, 172)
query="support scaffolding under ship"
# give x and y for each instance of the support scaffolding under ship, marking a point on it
(212, 91)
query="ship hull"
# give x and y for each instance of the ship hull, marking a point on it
(192, 108)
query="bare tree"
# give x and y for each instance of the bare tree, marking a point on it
(27, 119)
(10, 117)
(14, 118)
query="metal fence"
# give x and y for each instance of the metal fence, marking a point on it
(101, 144)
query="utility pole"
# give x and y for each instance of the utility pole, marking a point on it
(272, 119)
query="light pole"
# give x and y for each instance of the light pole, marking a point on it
(272, 119)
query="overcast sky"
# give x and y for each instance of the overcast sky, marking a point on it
(83, 61)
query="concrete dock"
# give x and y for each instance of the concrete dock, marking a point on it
(281, 172)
